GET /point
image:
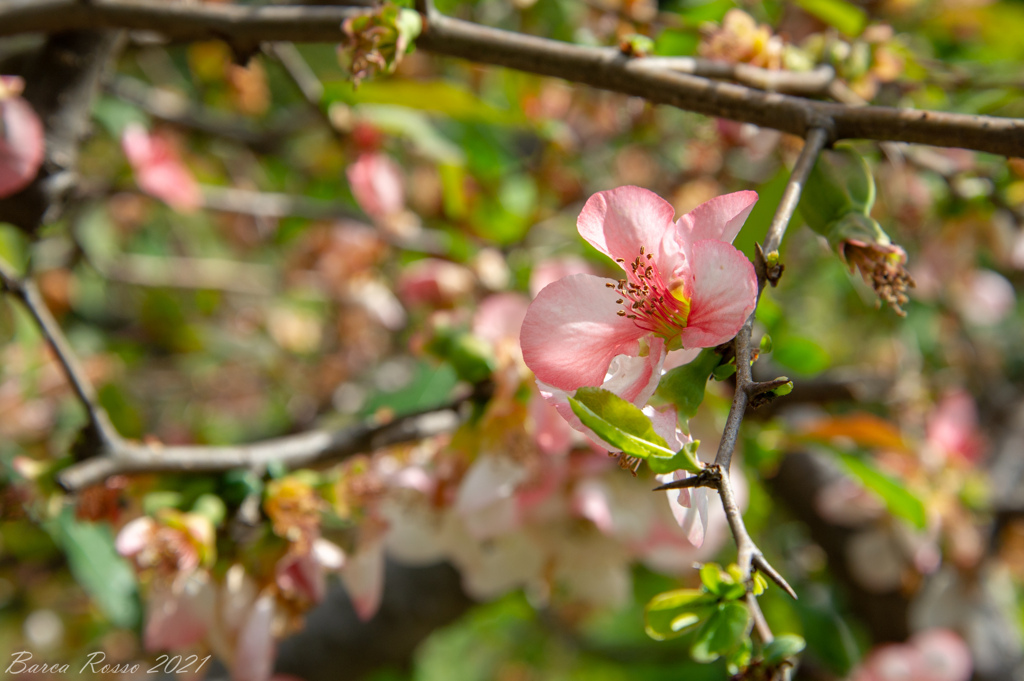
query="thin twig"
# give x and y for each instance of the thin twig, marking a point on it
(25, 290)
(294, 451)
(816, 140)
(816, 82)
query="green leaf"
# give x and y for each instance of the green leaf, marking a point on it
(739, 659)
(668, 615)
(722, 633)
(784, 389)
(783, 648)
(840, 183)
(724, 371)
(618, 423)
(684, 386)
(685, 459)
(897, 498)
(711, 577)
(848, 18)
(97, 566)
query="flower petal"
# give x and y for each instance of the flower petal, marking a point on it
(720, 218)
(572, 331)
(254, 657)
(723, 291)
(22, 145)
(632, 378)
(619, 221)
(363, 576)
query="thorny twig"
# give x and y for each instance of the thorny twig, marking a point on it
(716, 475)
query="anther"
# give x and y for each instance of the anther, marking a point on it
(622, 313)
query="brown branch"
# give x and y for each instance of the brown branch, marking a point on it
(245, 27)
(294, 451)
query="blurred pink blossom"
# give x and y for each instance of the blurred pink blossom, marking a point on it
(159, 170)
(932, 655)
(377, 185)
(953, 427)
(434, 282)
(22, 140)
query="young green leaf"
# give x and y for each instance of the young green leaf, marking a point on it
(840, 183)
(783, 648)
(722, 633)
(685, 459)
(619, 423)
(684, 386)
(97, 566)
(669, 614)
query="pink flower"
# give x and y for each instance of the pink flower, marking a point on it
(21, 138)
(685, 287)
(376, 183)
(159, 170)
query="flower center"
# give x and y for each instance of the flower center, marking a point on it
(648, 300)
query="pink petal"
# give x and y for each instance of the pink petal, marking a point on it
(632, 378)
(944, 655)
(176, 618)
(549, 271)
(590, 500)
(377, 185)
(572, 331)
(134, 536)
(489, 479)
(21, 146)
(500, 316)
(301, 575)
(666, 424)
(635, 379)
(552, 433)
(254, 657)
(723, 291)
(159, 171)
(689, 507)
(720, 218)
(485, 497)
(363, 576)
(619, 221)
